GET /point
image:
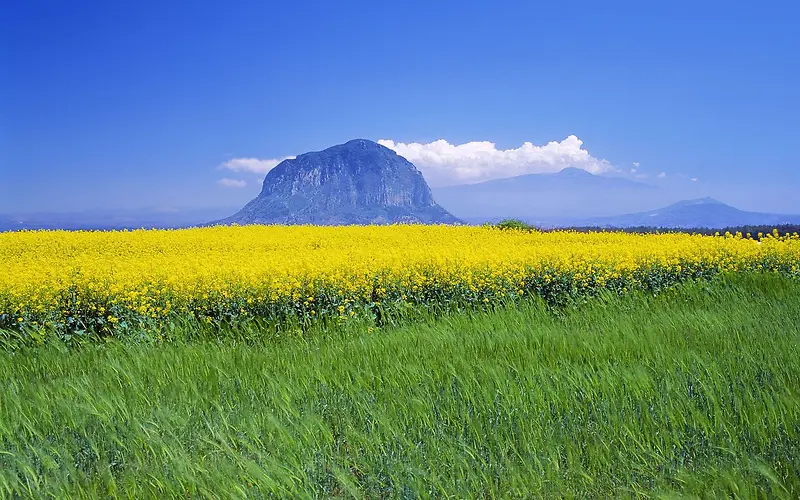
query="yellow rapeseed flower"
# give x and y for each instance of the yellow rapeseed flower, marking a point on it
(58, 277)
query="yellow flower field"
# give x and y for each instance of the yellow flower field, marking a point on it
(112, 282)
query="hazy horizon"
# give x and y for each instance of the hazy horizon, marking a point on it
(662, 195)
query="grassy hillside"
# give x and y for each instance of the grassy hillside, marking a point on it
(692, 391)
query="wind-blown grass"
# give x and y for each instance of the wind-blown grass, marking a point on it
(693, 391)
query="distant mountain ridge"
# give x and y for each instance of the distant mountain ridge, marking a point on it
(359, 182)
(568, 194)
(115, 219)
(362, 182)
(687, 214)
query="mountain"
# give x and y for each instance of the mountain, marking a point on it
(569, 194)
(359, 182)
(7, 223)
(699, 213)
(153, 217)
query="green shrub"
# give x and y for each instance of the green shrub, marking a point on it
(514, 224)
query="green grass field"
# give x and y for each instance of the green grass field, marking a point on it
(695, 391)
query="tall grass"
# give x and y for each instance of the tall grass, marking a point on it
(695, 391)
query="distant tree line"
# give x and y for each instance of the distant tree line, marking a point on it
(755, 232)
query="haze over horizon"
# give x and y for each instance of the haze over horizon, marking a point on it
(114, 106)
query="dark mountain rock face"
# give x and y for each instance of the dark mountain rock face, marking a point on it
(359, 182)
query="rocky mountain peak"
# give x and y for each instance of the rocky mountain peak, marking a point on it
(358, 182)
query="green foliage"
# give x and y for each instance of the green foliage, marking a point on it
(514, 224)
(753, 232)
(692, 391)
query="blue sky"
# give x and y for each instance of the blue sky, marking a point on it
(133, 104)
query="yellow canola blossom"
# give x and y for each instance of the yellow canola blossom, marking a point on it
(108, 281)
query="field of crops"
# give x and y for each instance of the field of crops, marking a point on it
(117, 284)
(690, 393)
(498, 391)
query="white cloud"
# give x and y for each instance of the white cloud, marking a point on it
(252, 165)
(443, 163)
(231, 183)
(694, 179)
(636, 164)
(662, 175)
(633, 170)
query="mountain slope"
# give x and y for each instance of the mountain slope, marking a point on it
(703, 212)
(153, 217)
(571, 193)
(359, 182)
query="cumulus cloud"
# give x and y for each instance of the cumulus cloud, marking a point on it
(694, 179)
(231, 183)
(252, 165)
(662, 175)
(443, 163)
(636, 164)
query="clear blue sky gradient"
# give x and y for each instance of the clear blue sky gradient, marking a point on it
(131, 104)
